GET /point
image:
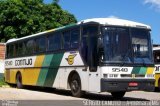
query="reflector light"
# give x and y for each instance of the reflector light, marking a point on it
(133, 84)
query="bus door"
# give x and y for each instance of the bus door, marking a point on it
(89, 49)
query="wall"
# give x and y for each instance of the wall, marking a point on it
(2, 56)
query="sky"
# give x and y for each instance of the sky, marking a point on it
(143, 11)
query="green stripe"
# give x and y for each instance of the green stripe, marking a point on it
(42, 77)
(139, 70)
(135, 70)
(53, 69)
(44, 71)
(143, 70)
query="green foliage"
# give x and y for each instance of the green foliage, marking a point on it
(19, 18)
(2, 82)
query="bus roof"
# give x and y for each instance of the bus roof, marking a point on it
(116, 22)
(156, 48)
(102, 21)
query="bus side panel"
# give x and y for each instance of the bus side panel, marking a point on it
(30, 76)
(71, 61)
(61, 80)
(11, 75)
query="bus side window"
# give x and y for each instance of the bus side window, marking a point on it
(16, 54)
(75, 34)
(20, 48)
(156, 57)
(10, 50)
(66, 40)
(30, 46)
(54, 42)
(50, 43)
(41, 44)
(24, 48)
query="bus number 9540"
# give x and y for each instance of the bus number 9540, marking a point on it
(119, 69)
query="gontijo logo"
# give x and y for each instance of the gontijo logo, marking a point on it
(70, 58)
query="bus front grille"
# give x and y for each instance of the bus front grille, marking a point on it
(131, 75)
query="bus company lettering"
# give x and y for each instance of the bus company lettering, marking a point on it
(23, 62)
(8, 63)
(157, 68)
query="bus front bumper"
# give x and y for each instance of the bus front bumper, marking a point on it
(114, 85)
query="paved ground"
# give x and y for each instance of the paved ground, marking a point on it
(42, 95)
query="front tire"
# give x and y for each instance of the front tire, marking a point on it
(75, 85)
(118, 95)
(19, 81)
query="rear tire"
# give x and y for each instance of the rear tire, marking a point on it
(75, 85)
(118, 95)
(19, 81)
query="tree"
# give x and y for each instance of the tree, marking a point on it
(19, 18)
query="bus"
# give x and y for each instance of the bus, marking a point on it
(94, 55)
(156, 53)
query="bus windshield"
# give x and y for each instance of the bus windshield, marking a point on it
(126, 45)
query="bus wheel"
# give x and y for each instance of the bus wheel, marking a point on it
(75, 85)
(19, 81)
(118, 95)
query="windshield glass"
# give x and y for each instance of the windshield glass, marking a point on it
(126, 45)
(141, 45)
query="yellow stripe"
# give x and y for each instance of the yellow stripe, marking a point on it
(150, 70)
(51, 30)
(12, 75)
(39, 61)
(31, 74)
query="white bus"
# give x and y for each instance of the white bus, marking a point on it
(94, 55)
(156, 52)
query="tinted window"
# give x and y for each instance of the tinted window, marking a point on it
(50, 43)
(54, 42)
(116, 42)
(10, 50)
(30, 46)
(66, 40)
(20, 47)
(75, 38)
(156, 56)
(41, 44)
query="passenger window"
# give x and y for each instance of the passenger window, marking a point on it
(10, 50)
(20, 49)
(75, 38)
(66, 40)
(50, 43)
(41, 44)
(30, 46)
(54, 42)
